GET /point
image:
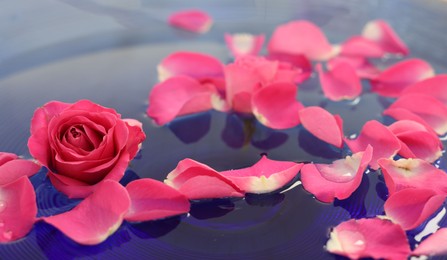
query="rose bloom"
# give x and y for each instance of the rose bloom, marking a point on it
(83, 144)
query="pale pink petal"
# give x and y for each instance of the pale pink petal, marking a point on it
(14, 169)
(362, 47)
(151, 199)
(410, 207)
(392, 81)
(362, 66)
(276, 106)
(96, 217)
(435, 244)
(193, 20)
(412, 173)
(428, 108)
(340, 82)
(323, 125)
(435, 86)
(385, 144)
(301, 37)
(337, 180)
(381, 32)
(241, 44)
(193, 64)
(376, 238)
(177, 96)
(18, 209)
(298, 61)
(265, 176)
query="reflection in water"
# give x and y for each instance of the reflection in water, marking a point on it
(211, 209)
(355, 204)
(264, 200)
(154, 229)
(316, 147)
(191, 128)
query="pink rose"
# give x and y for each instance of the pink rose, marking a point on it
(83, 144)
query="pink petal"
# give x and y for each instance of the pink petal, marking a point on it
(14, 169)
(301, 37)
(340, 82)
(193, 20)
(177, 96)
(412, 173)
(96, 217)
(404, 114)
(362, 66)
(6, 157)
(435, 244)
(381, 32)
(385, 144)
(276, 106)
(151, 199)
(199, 181)
(392, 81)
(358, 238)
(410, 207)
(361, 47)
(428, 108)
(323, 125)
(265, 176)
(435, 86)
(241, 44)
(337, 180)
(193, 64)
(18, 209)
(298, 61)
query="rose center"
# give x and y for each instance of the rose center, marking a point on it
(76, 136)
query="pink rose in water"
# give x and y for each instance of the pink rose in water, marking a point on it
(83, 144)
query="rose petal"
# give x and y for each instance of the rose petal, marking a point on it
(241, 44)
(177, 96)
(410, 207)
(362, 47)
(298, 61)
(362, 66)
(44, 114)
(301, 37)
(95, 218)
(323, 125)
(434, 244)
(14, 169)
(193, 20)
(412, 173)
(385, 144)
(392, 81)
(337, 180)
(192, 64)
(381, 33)
(276, 106)
(264, 176)
(18, 209)
(340, 82)
(435, 86)
(404, 114)
(151, 199)
(358, 238)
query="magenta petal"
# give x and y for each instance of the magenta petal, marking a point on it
(393, 81)
(323, 125)
(362, 66)
(96, 217)
(18, 209)
(337, 180)
(435, 86)
(362, 47)
(381, 32)
(193, 64)
(151, 199)
(410, 207)
(385, 144)
(340, 82)
(241, 44)
(375, 238)
(265, 176)
(199, 181)
(276, 106)
(301, 37)
(435, 244)
(193, 20)
(14, 169)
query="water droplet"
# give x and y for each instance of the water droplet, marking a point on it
(7, 235)
(2, 205)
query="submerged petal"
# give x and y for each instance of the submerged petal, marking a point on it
(381, 32)
(193, 20)
(241, 44)
(340, 82)
(435, 86)
(434, 244)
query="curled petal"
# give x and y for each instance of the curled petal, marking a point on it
(337, 180)
(435, 86)
(385, 144)
(265, 176)
(381, 33)
(151, 199)
(276, 106)
(434, 244)
(95, 218)
(410, 207)
(241, 44)
(298, 61)
(392, 81)
(193, 20)
(362, 66)
(358, 238)
(362, 47)
(12, 170)
(323, 125)
(340, 82)
(301, 37)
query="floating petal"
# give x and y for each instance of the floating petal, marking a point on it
(362, 47)
(241, 44)
(435, 244)
(362, 66)
(340, 82)
(381, 32)
(298, 61)
(193, 20)
(12, 168)
(435, 86)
